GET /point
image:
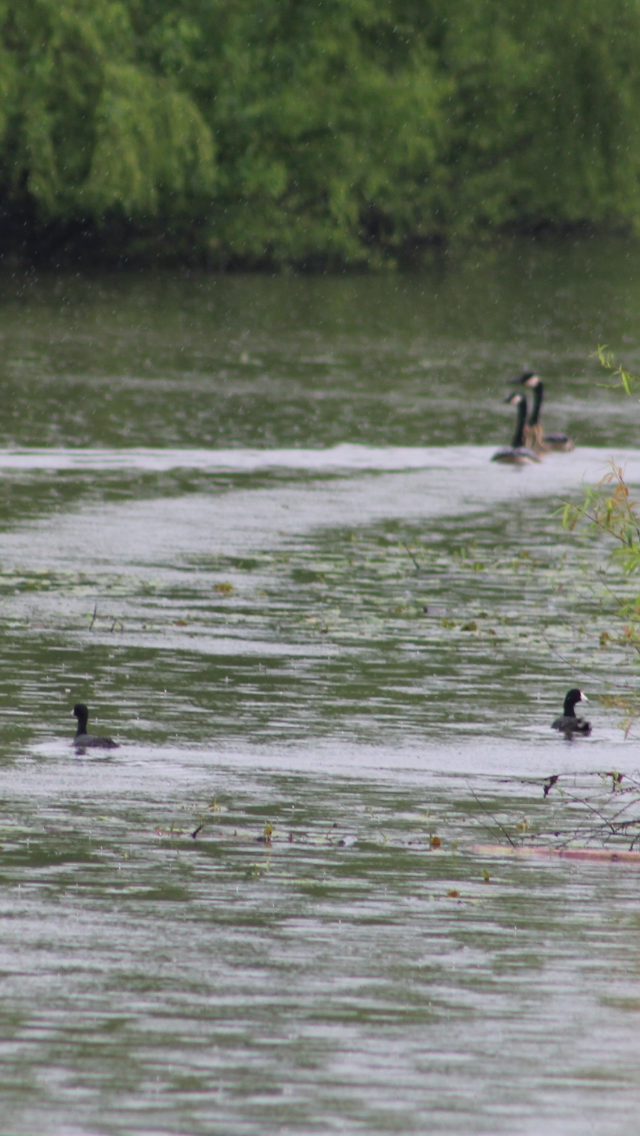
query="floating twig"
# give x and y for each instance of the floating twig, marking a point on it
(494, 819)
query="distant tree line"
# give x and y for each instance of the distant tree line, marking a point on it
(312, 132)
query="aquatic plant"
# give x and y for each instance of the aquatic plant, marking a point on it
(589, 811)
(609, 510)
(608, 361)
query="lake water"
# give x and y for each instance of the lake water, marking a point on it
(253, 524)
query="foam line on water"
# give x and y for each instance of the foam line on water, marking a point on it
(343, 457)
(237, 519)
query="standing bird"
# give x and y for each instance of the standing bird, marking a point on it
(568, 723)
(533, 433)
(83, 740)
(517, 453)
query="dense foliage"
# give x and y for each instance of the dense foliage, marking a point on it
(313, 131)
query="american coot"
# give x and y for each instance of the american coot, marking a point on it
(82, 738)
(568, 724)
(533, 433)
(517, 453)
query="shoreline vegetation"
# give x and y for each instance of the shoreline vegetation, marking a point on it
(322, 136)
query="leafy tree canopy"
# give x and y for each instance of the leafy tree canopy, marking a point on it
(318, 133)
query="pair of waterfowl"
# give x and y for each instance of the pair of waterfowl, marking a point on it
(529, 440)
(568, 724)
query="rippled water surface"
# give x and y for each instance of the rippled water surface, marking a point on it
(253, 524)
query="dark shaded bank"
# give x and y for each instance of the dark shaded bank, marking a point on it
(321, 135)
(27, 246)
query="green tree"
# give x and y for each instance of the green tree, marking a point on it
(87, 129)
(319, 133)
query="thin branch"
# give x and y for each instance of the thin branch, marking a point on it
(409, 553)
(494, 819)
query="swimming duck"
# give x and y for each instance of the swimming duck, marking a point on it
(517, 453)
(568, 723)
(533, 435)
(84, 740)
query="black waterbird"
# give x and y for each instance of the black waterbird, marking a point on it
(568, 723)
(84, 740)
